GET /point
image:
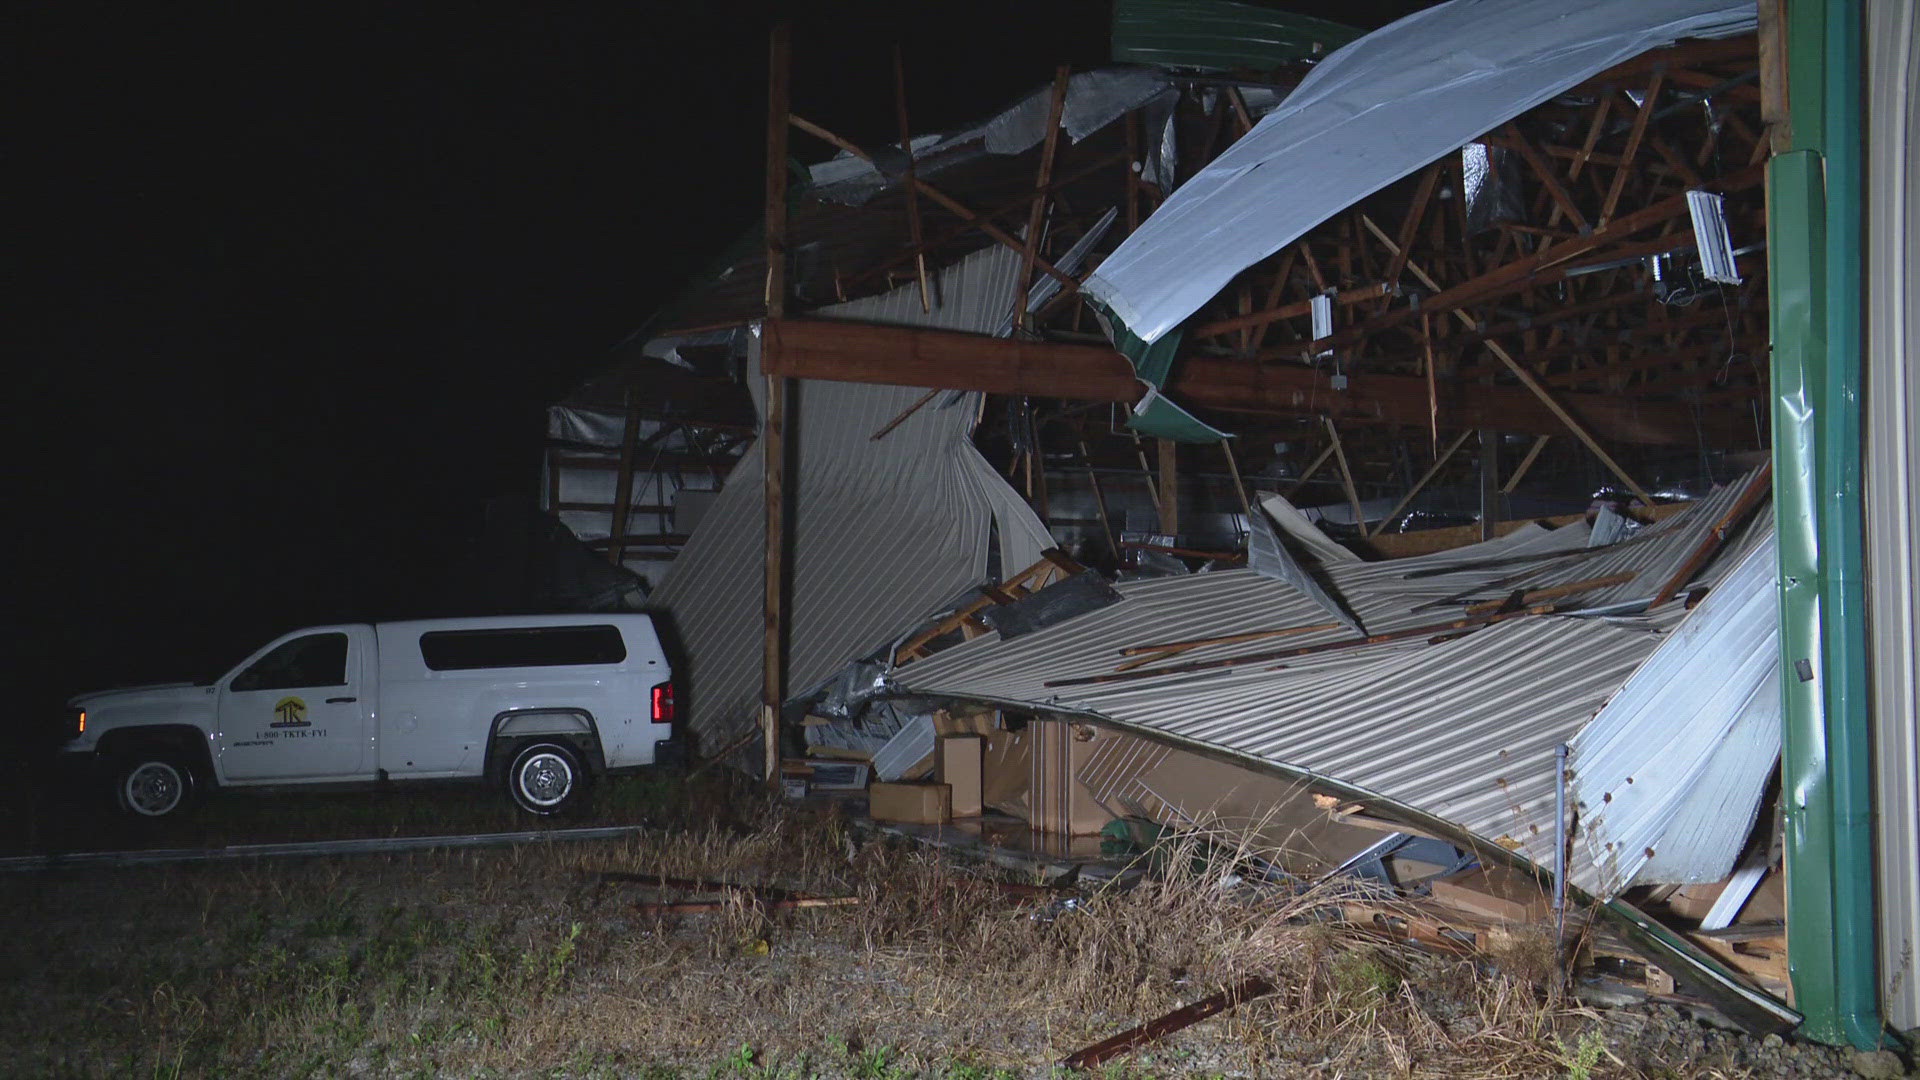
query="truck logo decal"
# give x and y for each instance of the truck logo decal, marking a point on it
(290, 712)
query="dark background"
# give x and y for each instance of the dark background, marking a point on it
(296, 284)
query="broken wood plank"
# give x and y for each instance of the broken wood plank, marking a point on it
(1438, 463)
(1160, 1027)
(1554, 592)
(1756, 490)
(904, 414)
(1068, 283)
(1520, 470)
(913, 195)
(1036, 215)
(1305, 650)
(1228, 639)
(688, 907)
(1346, 477)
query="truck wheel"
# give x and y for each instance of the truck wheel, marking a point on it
(547, 778)
(153, 785)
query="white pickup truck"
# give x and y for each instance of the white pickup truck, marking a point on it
(541, 704)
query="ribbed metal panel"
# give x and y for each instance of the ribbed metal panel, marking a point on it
(1463, 729)
(1891, 473)
(1219, 35)
(1668, 777)
(885, 532)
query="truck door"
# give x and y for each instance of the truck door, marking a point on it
(299, 710)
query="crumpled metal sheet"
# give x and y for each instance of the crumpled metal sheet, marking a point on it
(1369, 114)
(1058, 602)
(1094, 100)
(1267, 555)
(884, 532)
(1667, 778)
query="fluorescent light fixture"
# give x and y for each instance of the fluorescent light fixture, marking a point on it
(1710, 236)
(1322, 308)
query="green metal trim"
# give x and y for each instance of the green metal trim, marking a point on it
(1220, 35)
(1796, 243)
(1843, 538)
(1815, 228)
(1152, 363)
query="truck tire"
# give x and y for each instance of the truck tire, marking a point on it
(547, 778)
(153, 784)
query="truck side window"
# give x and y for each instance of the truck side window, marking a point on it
(532, 646)
(313, 660)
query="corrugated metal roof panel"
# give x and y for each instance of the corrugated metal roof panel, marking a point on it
(1463, 729)
(1673, 768)
(885, 532)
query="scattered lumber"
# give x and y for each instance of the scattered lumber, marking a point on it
(1160, 1027)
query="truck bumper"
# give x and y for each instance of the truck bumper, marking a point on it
(670, 753)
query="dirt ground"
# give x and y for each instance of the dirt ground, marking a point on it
(528, 962)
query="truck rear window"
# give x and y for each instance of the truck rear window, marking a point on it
(533, 646)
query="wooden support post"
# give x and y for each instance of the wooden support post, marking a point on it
(1346, 476)
(1068, 282)
(1648, 105)
(1439, 461)
(1774, 115)
(1169, 488)
(1309, 472)
(1526, 378)
(1520, 470)
(1239, 486)
(1037, 213)
(1146, 473)
(617, 527)
(913, 200)
(1489, 482)
(773, 433)
(1100, 503)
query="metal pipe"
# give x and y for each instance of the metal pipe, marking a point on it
(1560, 852)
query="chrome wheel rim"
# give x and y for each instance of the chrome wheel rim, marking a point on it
(545, 778)
(154, 789)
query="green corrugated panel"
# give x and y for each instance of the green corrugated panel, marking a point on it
(1219, 35)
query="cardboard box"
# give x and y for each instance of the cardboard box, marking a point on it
(915, 804)
(1007, 772)
(957, 763)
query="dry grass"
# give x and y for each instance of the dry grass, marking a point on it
(518, 963)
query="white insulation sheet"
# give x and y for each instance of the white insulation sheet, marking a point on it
(885, 532)
(1371, 113)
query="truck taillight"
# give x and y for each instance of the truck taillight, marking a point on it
(83, 722)
(663, 703)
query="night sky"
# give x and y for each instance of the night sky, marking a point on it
(295, 288)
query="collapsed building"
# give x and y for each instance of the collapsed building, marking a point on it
(1483, 445)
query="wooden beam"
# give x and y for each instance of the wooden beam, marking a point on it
(1290, 311)
(1439, 462)
(1411, 226)
(1543, 171)
(1648, 105)
(912, 193)
(1579, 432)
(1169, 487)
(773, 433)
(1068, 282)
(1037, 214)
(623, 488)
(1520, 470)
(1548, 264)
(1309, 472)
(1346, 477)
(1490, 514)
(904, 356)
